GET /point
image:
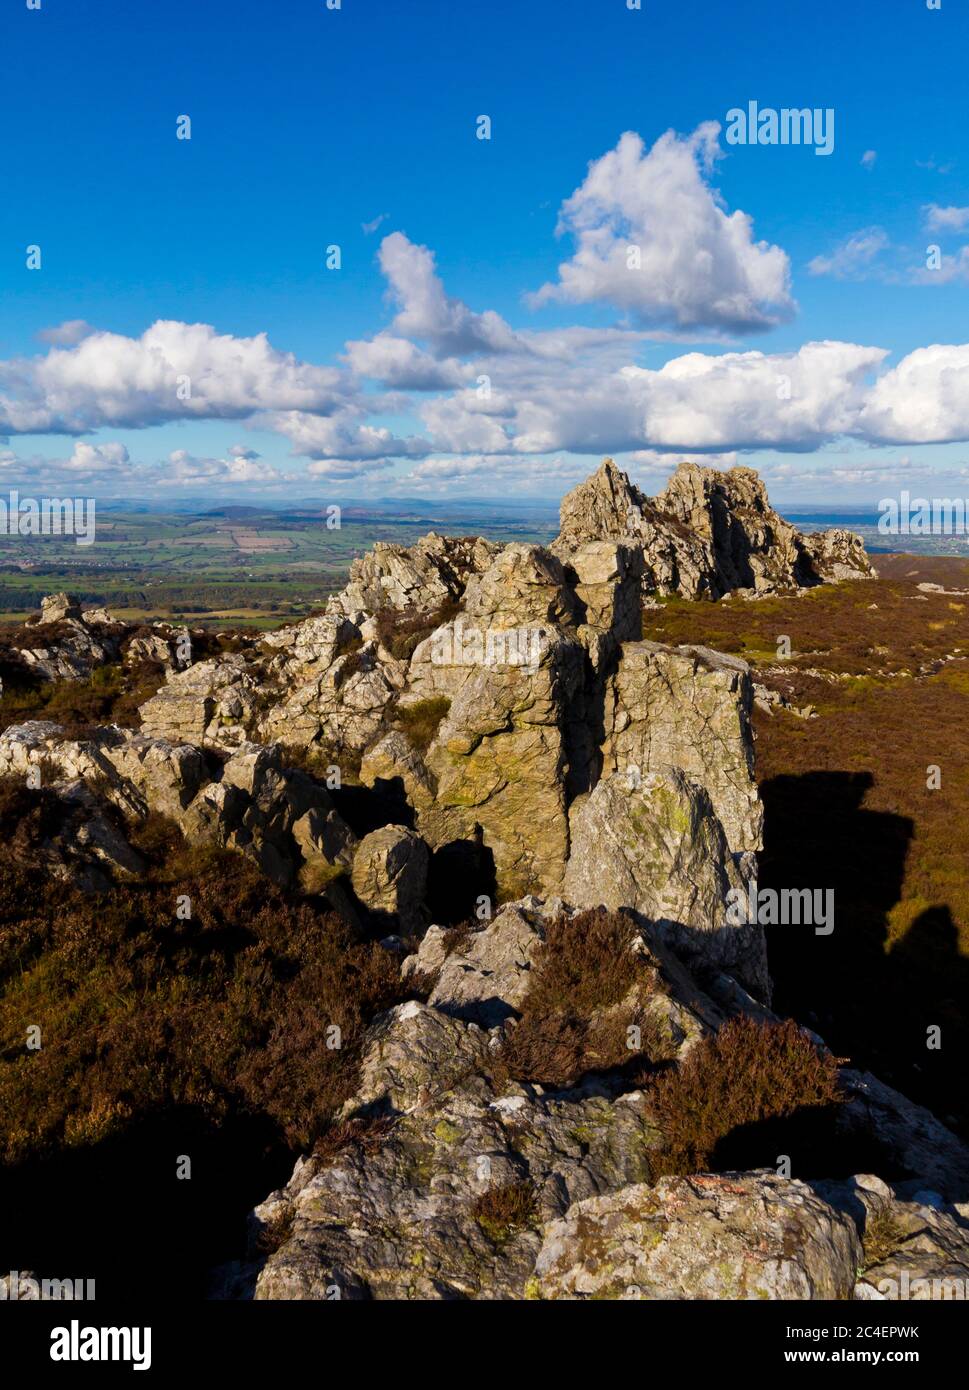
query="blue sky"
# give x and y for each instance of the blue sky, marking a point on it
(356, 127)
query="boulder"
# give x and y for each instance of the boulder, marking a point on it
(417, 1212)
(390, 874)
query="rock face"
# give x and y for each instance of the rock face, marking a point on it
(210, 703)
(707, 533)
(656, 845)
(725, 1236)
(425, 576)
(691, 707)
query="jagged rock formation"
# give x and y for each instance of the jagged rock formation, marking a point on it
(657, 846)
(707, 533)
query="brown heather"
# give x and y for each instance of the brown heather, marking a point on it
(746, 1074)
(141, 1012)
(586, 991)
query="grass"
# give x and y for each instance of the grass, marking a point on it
(401, 630)
(421, 720)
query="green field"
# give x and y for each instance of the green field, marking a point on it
(244, 566)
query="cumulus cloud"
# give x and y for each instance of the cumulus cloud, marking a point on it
(173, 371)
(185, 470)
(924, 400)
(654, 240)
(427, 313)
(949, 219)
(397, 362)
(87, 463)
(854, 256)
(341, 437)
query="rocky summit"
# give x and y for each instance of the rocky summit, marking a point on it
(531, 821)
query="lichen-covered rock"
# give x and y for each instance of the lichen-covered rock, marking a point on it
(687, 707)
(343, 705)
(501, 760)
(393, 759)
(838, 555)
(712, 1236)
(916, 1246)
(486, 977)
(390, 874)
(410, 1218)
(654, 843)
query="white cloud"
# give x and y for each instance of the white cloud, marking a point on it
(853, 257)
(368, 228)
(173, 371)
(346, 469)
(924, 400)
(430, 315)
(950, 219)
(397, 362)
(341, 437)
(868, 159)
(87, 463)
(699, 266)
(185, 470)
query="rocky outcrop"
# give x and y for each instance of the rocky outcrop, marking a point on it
(708, 533)
(66, 643)
(283, 820)
(212, 703)
(425, 576)
(445, 1180)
